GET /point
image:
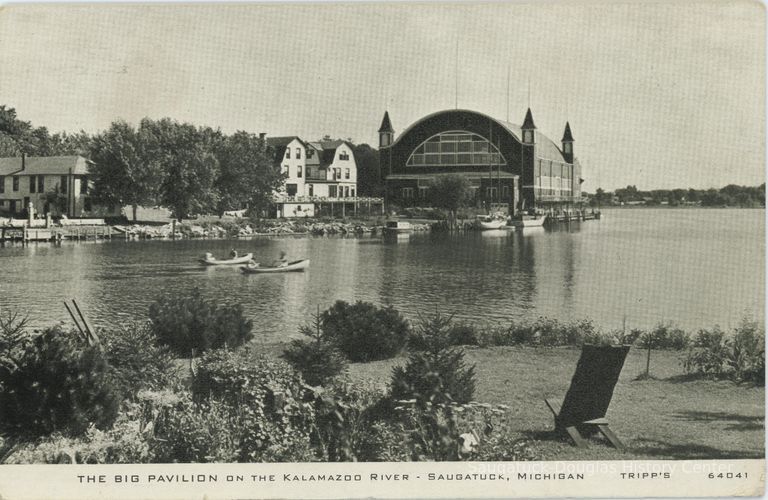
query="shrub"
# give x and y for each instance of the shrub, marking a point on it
(437, 373)
(274, 408)
(708, 354)
(136, 360)
(665, 336)
(345, 413)
(205, 431)
(125, 443)
(463, 334)
(365, 332)
(58, 384)
(746, 353)
(191, 325)
(318, 360)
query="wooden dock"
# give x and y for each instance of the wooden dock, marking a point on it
(77, 233)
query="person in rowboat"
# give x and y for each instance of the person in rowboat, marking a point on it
(233, 254)
(282, 261)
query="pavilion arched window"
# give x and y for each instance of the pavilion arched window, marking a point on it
(456, 148)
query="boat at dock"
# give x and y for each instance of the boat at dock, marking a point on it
(524, 221)
(398, 226)
(210, 260)
(296, 265)
(487, 222)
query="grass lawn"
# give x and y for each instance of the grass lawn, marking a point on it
(671, 417)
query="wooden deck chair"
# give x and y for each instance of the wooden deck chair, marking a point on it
(582, 412)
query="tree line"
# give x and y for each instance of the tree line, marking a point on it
(731, 195)
(185, 168)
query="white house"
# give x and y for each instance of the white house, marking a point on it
(319, 173)
(25, 180)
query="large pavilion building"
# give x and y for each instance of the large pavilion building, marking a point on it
(509, 167)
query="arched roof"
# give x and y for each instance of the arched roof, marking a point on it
(546, 147)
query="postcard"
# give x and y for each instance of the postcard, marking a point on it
(382, 250)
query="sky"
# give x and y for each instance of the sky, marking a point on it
(658, 95)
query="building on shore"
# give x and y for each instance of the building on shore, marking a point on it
(509, 167)
(321, 178)
(36, 179)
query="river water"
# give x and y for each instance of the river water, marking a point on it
(695, 267)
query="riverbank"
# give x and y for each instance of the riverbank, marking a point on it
(244, 228)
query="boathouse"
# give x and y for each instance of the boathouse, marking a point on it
(509, 167)
(31, 180)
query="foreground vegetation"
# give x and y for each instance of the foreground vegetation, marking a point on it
(363, 384)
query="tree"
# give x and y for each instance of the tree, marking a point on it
(450, 192)
(56, 201)
(123, 173)
(247, 175)
(600, 197)
(368, 174)
(188, 165)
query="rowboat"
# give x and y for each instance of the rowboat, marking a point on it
(210, 260)
(296, 265)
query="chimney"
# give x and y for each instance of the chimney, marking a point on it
(262, 135)
(23, 160)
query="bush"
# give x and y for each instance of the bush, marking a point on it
(739, 357)
(665, 336)
(365, 332)
(435, 374)
(707, 355)
(136, 360)
(125, 443)
(318, 360)
(463, 334)
(746, 353)
(56, 383)
(345, 414)
(206, 431)
(274, 407)
(191, 325)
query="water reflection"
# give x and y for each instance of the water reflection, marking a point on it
(696, 267)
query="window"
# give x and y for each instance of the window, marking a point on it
(2, 184)
(346, 191)
(505, 192)
(352, 192)
(287, 152)
(87, 204)
(332, 191)
(336, 174)
(298, 171)
(346, 173)
(310, 188)
(423, 192)
(83, 185)
(310, 154)
(456, 148)
(490, 193)
(40, 183)
(15, 182)
(344, 156)
(287, 170)
(63, 184)
(298, 153)
(32, 183)
(407, 193)
(309, 172)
